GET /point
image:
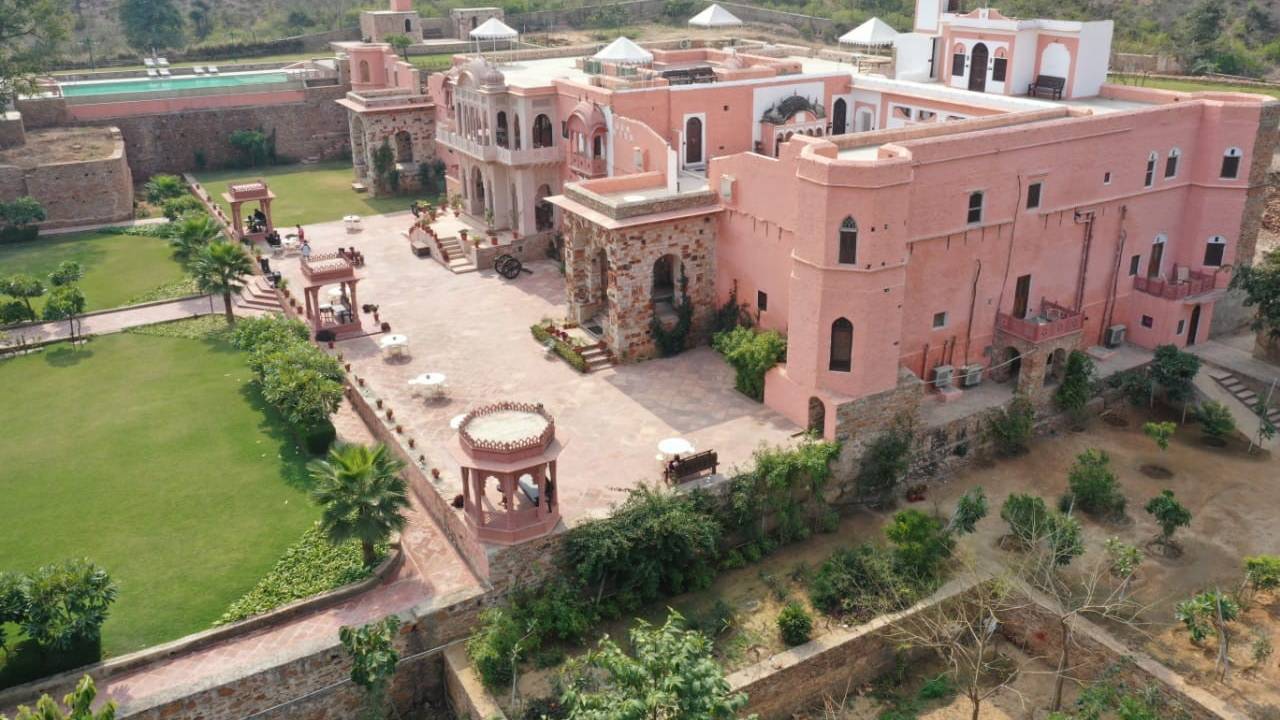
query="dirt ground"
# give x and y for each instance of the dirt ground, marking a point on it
(55, 145)
(1233, 497)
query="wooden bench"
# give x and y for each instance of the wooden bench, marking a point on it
(682, 468)
(420, 248)
(1047, 86)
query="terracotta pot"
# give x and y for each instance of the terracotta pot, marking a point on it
(390, 413)
(347, 367)
(411, 443)
(360, 381)
(493, 239)
(379, 402)
(330, 344)
(435, 473)
(399, 429)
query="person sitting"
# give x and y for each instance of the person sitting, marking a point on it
(415, 209)
(273, 278)
(359, 258)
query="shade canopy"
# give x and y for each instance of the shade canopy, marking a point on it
(494, 29)
(714, 17)
(872, 32)
(624, 52)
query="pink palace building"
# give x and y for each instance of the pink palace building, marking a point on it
(977, 212)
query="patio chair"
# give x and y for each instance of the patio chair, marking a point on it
(151, 73)
(164, 72)
(148, 62)
(213, 69)
(198, 69)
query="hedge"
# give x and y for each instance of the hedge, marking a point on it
(565, 350)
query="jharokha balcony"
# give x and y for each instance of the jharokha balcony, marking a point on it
(1185, 283)
(587, 166)
(1053, 321)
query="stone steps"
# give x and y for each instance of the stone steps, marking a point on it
(1247, 397)
(597, 359)
(458, 261)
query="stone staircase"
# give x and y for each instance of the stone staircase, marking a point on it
(457, 260)
(1247, 397)
(597, 359)
(258, 295)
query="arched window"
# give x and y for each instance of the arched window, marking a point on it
(502, 129)
(408, 26)
(849, 241)
(958, 57)
(1231, 163)
(1214, 251)
(1171, 164)
(1150, 177)
(597, 146)
(1157, 255)
(364, 71)
(404, 147)
(841, 346)
(515, 131)
(542, 132)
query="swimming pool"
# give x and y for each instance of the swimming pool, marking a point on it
(171, 84)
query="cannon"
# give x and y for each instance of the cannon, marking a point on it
(509, 267)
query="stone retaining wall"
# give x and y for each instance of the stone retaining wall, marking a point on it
(79, 192)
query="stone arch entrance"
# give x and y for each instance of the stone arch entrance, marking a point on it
(1055, 367)
(404, 147)
(664, 279)
(839, 117)
(1009, 366)
(543, 211)
(817, 417)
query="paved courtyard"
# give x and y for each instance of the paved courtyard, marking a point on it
(474, 328)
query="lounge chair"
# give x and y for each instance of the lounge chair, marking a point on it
(164, 72)
(148, 62)
(213, 69)
(198, 69)
(151, 73)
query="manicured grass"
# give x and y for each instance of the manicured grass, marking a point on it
(117, 268)
(156, 458)
(1193, 85)
(306, 193)
(434, 62)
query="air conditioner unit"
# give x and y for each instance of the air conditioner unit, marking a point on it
(1115, 336)
(943, 375)
(972, 376)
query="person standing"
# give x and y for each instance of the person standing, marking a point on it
(302, 237)
(306, 249)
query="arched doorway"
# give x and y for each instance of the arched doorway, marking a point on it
(978, 67)
(664, 279)
(817, 417)
(543, 211)
(542, 132)
(364, 71)
(839, 117)
(601, 269)
(1055, 367)
(1194, 327)
(1010, 366)
(404, 147)
(408, 26)
(477, 192)
(693, 141)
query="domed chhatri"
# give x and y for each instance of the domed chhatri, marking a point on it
(509, 448)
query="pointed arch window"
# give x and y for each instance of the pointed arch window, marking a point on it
(849, 241)
(841, 346)
(1171, 164)
(1231, 163)
(1150, 178)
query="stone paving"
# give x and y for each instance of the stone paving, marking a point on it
(474, 328)
(112, 321)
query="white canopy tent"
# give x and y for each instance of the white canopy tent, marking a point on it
(872, 33)
(624, 52)
(714, 17)
(493, 29)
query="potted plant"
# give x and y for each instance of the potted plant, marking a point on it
(455, 204)
(435, 473)
(411, 443)
(325, 336)
(399, 429)
(390, 414)
(386, 327)
(379, 403)
(462, 236)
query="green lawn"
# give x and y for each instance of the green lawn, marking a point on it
(156, 458)
(306, 193)
(1192, 85)
(118, 268)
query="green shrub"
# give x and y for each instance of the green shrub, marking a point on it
(1031, 523)
(164, 187)
(566, 351)
(1077, 384)
(920, 545)
(883, 465)
(786, 484)
(795, 624)
(1262, 572)
(557, 609)
(495, 646)
(65, 604)
(318, 438)
(1136, 386)
(860, 583)
(1175, 371)
(1093, 485)
(1011, 428)
(937, 688)
(251, 333)
(1169, 514)
(308, 567)
(14, 234)
(1215, 420)
(176, 207)
(751, 353)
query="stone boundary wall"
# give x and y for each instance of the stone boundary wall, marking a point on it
(1141, 63)
(57, 685)
(581, 17)
(78, 192)
(464, 691)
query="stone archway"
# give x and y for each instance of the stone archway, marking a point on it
(817, 417)
(404, 146)
(664, 279)
(1055, 367)
(1009, 366)
(543, 212)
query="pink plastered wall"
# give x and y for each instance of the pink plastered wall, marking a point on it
(637, 148)
(100, 111)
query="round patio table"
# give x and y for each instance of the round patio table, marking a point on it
(393, 341)
(672, 447)
(429, 379)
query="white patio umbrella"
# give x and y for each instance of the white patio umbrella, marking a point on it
(714, 17)
(495, 30)
(872, 33)
(624, 52)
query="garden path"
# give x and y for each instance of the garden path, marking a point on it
(113, 321)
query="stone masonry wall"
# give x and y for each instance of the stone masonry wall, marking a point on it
(76, 193)
(375, 127)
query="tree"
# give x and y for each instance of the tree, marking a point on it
(191, 234)
(399, 43)
(23, 287)
(151, 24)
(1170, 515)
(1215, 420)
(164, 187)
(79, 704)
(384, 162)
(1261, 286)
(221, 268)
(921, 544)
(970, 508)
(66, 603)
(1093, 485)
(671, 675)
(66, 302)
(12, 603)
(883, 465)
(1010, 429)
(254, 146)
(67, 273)
(201, 17)
(1266, 428)
(1261, 572)
(1073, 394)
(1210, 611)
(373, 660)
(1175, 371)
(752, 353)
(1160, 432)
(31, 36)
(361, 494)
(1033, 525)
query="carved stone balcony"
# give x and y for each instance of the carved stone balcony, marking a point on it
(586, 166)
(1054, 321)
(1185, 283)
(484, 150)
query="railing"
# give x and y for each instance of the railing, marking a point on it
(494, 153)
(1197, 282)
(587, 166)
(1054, 321)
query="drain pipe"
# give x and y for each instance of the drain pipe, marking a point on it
(1086, 217)
(973, 302)
(1110, 308)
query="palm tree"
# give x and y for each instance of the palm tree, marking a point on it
(361, 494)
(221, 268)
(191, 234)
